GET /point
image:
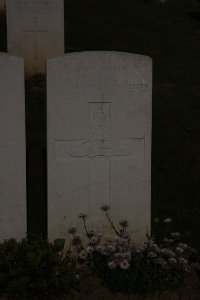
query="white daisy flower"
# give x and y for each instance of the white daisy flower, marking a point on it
(179, 250)
(112, 264)
(124, 265)
(160, 261)
(182, 261)
(172, 261)
(110, 248)
(183, 246)
(90, 249)
(151, 254)
(167, 220)
(166, 240)
(175, 234)
(83, 254)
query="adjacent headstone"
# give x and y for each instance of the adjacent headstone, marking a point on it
(99, 141)
(12, 148)
(35, 30)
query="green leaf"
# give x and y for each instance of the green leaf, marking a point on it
(17, 286)
(59, 244)
(33, 259)
(42, 252)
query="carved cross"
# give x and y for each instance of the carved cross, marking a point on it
(35, 31)
(100, 148)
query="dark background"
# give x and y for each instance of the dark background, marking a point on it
(170, 34)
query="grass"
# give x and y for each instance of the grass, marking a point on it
(169, 35)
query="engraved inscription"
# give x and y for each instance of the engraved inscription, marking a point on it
(99, 112)
(101, 141)
(100, 145)
(119, 87)
(35, 8)
(138, 85)
(71, 149)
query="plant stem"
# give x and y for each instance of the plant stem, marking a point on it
(86, 231)
(111, 223)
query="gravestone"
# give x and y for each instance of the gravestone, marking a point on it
(35, 30)
(99, 140)
(12, 148)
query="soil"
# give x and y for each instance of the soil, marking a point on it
(91, 288)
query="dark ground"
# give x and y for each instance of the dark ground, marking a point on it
(91, 288)
(169, 35)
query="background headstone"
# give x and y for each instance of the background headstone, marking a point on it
(35, 30)
(12, 148)
(99, 140)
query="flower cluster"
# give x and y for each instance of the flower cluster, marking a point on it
(167, 257)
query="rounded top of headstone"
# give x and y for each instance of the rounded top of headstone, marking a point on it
(93, 54)
(9, 57)
(11, 70)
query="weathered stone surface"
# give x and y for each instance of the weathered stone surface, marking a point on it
(12, 148)
(35, 30)
(99, 140)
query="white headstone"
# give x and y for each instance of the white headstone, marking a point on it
(99, 140)
(12, 148)
(35, 30)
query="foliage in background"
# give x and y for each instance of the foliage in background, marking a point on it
(3, 33)
(35, 88)
(34, 268)
(157, 264)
